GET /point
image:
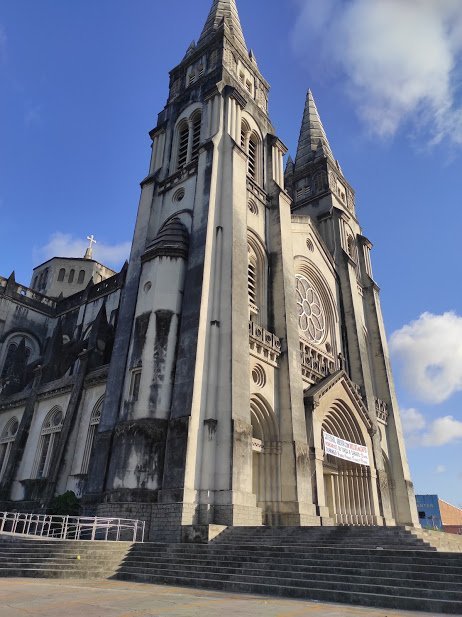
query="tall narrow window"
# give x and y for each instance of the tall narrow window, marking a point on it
(51, 428)
(253, 284)
(252, 154)
(6, 443)
(81, 277)
(71, 276)
(196, 121)
(61, 274)
(135, 385)
(183, 144)
(93, 427)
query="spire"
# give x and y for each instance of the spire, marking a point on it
(313, 141)
(223, 10)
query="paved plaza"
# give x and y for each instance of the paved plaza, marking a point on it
(102, 598)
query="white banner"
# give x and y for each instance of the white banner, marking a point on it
(345, 450)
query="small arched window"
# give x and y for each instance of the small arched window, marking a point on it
(256, 281)
(61, 274)
(52, 426)
(351, 247)
(183, 140)
(71, 276)
(188, 139)
(6, 443)
(196, 121)
(92, 428)
(250, 143)
(81, 277)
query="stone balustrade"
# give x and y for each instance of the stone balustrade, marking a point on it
(315, 364)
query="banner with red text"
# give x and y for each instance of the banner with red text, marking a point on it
(345, 450)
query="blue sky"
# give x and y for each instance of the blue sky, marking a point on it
(81, 83)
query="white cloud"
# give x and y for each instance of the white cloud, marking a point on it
(413, 421)
(65, 245)
(429, 351)
(439, 432)
(442, 431)
(400, 59)
(440, 469)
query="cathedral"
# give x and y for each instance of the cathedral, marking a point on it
(235, 371)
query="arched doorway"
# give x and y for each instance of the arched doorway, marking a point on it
(266, 454)
(349, 488)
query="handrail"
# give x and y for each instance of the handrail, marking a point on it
(72, 527)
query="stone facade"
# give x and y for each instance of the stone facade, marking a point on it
(195, 388)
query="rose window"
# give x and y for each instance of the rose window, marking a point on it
(311, 317)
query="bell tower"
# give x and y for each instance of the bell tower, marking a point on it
(193, 428)
(319, 189)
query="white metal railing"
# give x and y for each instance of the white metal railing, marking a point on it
(72, 527)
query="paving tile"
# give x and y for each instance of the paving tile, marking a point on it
(103, 598)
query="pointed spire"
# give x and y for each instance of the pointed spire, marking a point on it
(313, 141)
(223, 10)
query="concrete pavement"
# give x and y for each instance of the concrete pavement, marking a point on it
(105, 598)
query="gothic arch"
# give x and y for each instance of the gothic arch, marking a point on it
(187, 134)
(266, 457)
(252, 144)
(14, 339)
(348, 489)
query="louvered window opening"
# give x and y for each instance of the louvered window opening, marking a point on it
(252, 283)
(196, 138)
(252, 164)
(183, 146)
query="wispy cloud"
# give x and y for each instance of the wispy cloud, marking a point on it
(400, 59)
(65, 245)
(440, 469)
(438, 432)
(429, 352)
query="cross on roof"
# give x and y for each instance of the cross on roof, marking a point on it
(92, 241)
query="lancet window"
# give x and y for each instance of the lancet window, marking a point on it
(188, 139)
(49, 434)
(256, 280)
(250, 143)
(6, 443)
(92, 428)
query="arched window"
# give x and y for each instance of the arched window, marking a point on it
(250, 143)
(252, 154)
(71, 276)
(10, 346)
(196, 121)
(252, 281)
(183, 140)
(61, 275)
(93, 427)
(188, 139)
(51, 428)
(81, 277)
(256, 279)
(6, 443)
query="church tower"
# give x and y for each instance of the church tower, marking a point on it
(249, 325)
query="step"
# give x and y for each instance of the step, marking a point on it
(365, 578)
(300, 565)
(330, 595)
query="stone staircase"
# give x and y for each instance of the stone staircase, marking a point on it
(29, 557)
(380, 567)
